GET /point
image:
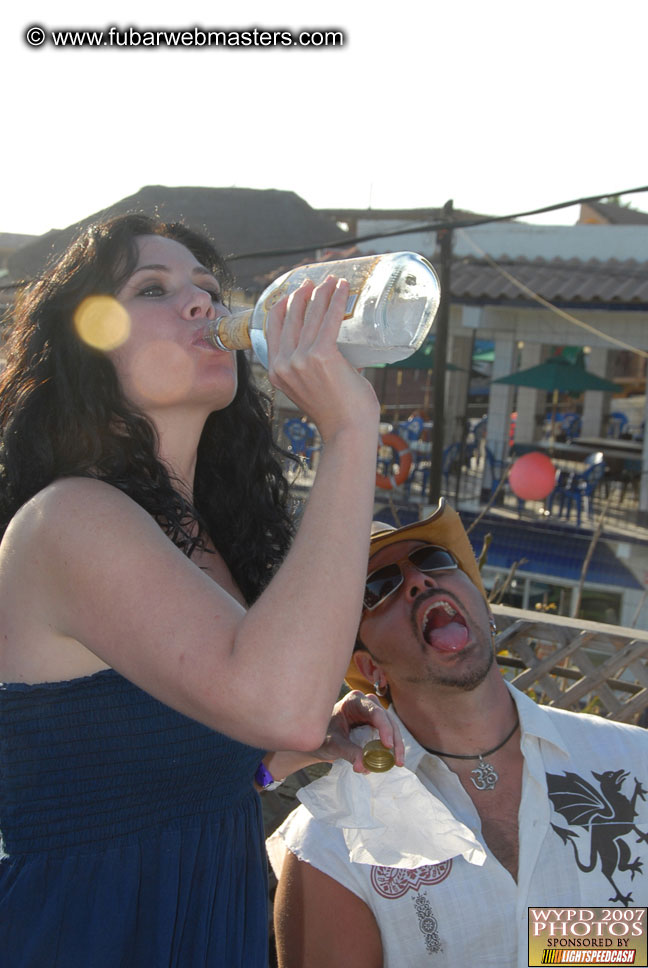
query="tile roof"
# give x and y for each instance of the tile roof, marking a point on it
(561, 281)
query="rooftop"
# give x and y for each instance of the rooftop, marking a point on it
(561, 281)
(239, 220)
(609, 213)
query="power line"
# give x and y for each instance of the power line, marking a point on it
(429, 227)
(432, 227)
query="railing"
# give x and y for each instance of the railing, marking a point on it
(469, 482)
(574, 664)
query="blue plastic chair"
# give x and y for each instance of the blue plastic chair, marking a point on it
(579, 489)
(570, 426)
(420, 472)
(617, 423)
(422, 467)
(301, 438)
(411, 429)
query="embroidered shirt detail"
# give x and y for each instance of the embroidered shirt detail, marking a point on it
(393, 882)
(428, 924)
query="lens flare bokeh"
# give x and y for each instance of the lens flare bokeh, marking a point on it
(102, 322)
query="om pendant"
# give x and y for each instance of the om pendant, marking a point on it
(484, 776)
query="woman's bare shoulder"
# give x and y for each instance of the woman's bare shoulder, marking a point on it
(38, 548)
(70, 503)
(69, 491)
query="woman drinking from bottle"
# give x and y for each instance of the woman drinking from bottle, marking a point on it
(161, 628)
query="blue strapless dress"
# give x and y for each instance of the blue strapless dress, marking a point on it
(133, 837)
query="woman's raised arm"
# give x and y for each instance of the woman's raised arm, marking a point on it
(94, 568)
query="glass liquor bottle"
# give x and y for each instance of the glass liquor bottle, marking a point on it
(392, 302)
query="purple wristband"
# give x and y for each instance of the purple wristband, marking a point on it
(264, 778)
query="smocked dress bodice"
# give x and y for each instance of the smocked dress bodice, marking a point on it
(132, 834)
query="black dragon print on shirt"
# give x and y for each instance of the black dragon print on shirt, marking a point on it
(608, 816)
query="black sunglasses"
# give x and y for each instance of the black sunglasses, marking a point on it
(381, 583)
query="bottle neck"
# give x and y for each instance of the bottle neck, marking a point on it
(231, 332)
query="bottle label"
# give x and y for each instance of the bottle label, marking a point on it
(233, 331)
(276, 295)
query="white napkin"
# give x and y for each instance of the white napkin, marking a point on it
(389, 819)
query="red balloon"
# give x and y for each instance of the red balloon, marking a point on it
(532, 477)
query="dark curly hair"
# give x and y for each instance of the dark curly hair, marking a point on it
(63, 413)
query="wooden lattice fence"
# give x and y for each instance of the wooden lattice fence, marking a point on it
(573, 664)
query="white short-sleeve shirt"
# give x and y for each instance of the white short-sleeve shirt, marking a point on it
(583, 837)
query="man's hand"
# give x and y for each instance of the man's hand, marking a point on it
(358, 709)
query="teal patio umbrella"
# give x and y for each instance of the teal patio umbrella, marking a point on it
(562, 373)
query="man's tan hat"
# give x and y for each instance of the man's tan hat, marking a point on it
(443, 527)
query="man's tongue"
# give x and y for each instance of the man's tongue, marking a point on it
(444, 629)
(449, 638)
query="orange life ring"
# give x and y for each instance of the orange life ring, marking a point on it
(404, 462)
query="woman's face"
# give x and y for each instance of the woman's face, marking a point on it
(164, 362)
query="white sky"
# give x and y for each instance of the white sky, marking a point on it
(501, 105)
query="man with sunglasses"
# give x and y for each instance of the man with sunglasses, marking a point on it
(438, 863)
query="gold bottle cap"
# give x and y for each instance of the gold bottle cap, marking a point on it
(377, 757)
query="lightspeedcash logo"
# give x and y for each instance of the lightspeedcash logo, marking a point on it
(587, 936)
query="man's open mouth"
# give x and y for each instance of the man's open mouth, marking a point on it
(443, 627)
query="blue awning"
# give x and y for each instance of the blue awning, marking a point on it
(550, 551)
